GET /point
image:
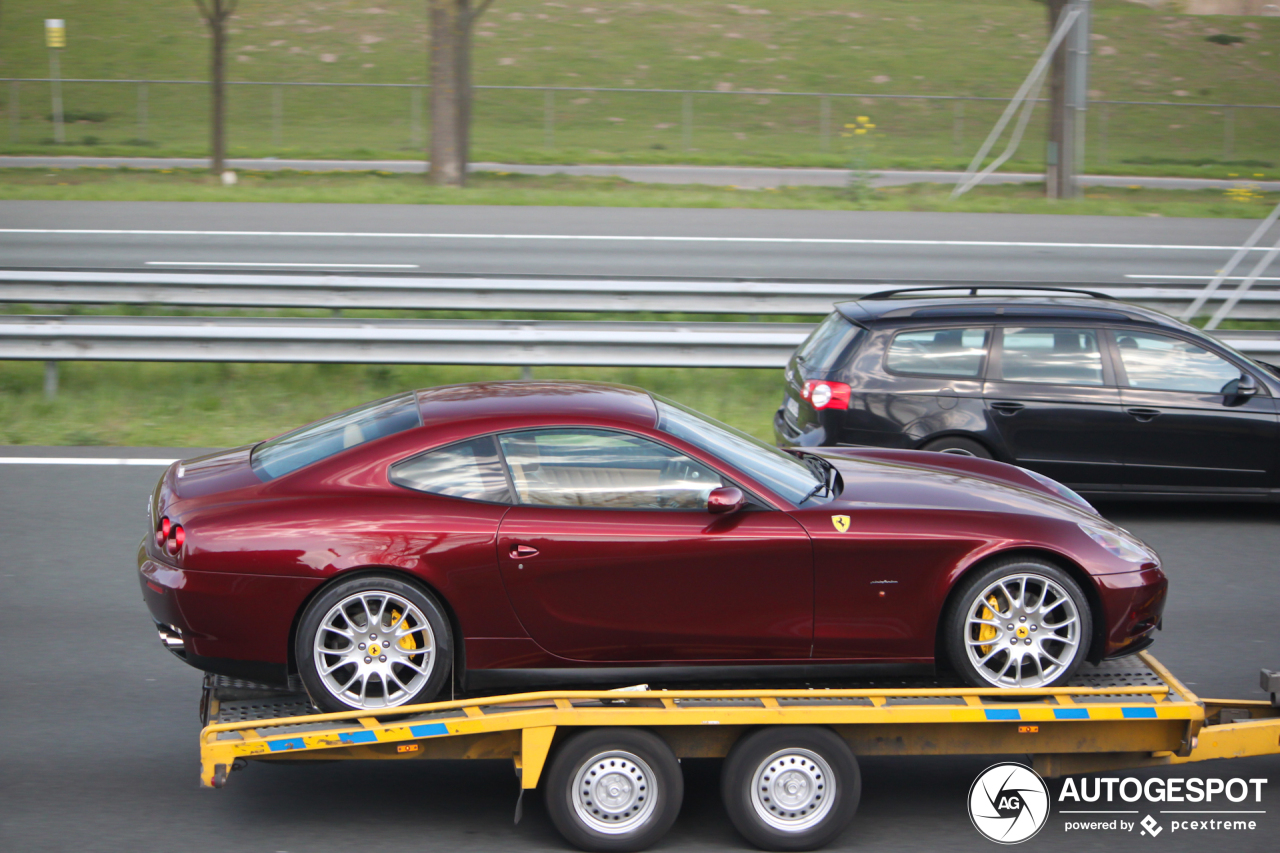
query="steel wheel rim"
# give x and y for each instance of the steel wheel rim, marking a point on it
(1022, 631)
(374, 649)
(793, 790)
(614, 792)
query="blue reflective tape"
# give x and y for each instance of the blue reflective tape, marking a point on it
(1003, 715)
(1071, 713)
(359, 737)
(429, 730)
(1139, 713)
(288, 743)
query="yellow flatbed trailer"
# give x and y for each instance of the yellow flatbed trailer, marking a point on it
(1121, 714)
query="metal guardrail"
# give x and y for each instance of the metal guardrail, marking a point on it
(382, 341)
(477, 293)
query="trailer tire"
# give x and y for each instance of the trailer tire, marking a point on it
(614, 789)
(791, 787)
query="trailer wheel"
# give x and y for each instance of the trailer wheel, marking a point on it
(614, 789)
(791, 787)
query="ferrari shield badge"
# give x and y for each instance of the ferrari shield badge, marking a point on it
(841, 522)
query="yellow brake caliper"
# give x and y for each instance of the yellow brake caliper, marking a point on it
(406, 642)
(987, 632)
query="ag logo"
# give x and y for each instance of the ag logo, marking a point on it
(841, 522)
(1008, 803)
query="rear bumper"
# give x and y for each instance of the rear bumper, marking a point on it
(232, 624)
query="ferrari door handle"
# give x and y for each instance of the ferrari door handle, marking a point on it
(520, 552)
(1144, 415)
(1008, 408)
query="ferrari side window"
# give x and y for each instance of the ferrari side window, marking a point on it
(468, 469)
(604, 470)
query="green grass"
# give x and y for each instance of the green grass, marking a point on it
(489, 188)
(224, 405)
(756, 50)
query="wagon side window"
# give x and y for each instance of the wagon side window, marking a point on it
(470, 470)
(601, 469)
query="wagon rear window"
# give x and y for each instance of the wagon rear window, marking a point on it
(823, 348)
(323, 439)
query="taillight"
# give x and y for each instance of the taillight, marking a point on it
(826, 395)
(170, 535)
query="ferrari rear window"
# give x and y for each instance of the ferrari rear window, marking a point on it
(323, 439)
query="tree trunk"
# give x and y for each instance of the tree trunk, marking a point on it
(215, 14)
(1056, 172)
(217, 120)
(464, 86)
(448, 167)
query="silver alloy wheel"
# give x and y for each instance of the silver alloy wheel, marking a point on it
(1022, 631)
(959, 451)
(793, 789)
(374, 649)
(614, 792)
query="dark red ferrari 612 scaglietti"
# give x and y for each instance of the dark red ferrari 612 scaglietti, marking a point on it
(542, 533)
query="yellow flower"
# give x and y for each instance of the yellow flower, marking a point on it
(860, 131)
(870, 127)
(863, 119)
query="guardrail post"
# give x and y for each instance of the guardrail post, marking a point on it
(416, 139)
(1228, 133)
(957, 129)
(142, 111)
(824, 121)
(277, 116)
(14, 89)
(50, 380)
(687, 121)
(549, 117)
(526, 372)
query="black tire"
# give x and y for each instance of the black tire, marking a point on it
(959, 446)
(755, 754)
(433, 631)
(1027, 632)
(647, 801)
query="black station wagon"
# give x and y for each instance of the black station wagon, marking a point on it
(1110, 399)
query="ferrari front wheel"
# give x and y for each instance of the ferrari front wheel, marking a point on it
(372, 643)
(1019, 623)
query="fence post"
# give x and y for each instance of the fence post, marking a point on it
(277, 116)
(549, 117)
(824, 121)
(1228, 133)
(142, 111)
(687, 121)
(14, 89)
(415, 118)
(957, 129)
(1104, 120)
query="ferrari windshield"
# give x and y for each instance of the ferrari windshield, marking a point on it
(777, 469)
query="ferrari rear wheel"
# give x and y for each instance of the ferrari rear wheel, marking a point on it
(373, 643)
(1019, 623)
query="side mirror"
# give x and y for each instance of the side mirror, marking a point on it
(725, 499)
(1247, 386)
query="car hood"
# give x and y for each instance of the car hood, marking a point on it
(920, 479)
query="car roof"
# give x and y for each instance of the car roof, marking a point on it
(513, 404)
(904, 308)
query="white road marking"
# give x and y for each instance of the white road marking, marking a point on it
(1196, 277)
(850, 241)
(74, 460)
(278, 264)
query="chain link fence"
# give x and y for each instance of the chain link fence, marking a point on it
(340, 119)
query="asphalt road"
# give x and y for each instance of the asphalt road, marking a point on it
(737, 176)
(795, 244)
(99, 723)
